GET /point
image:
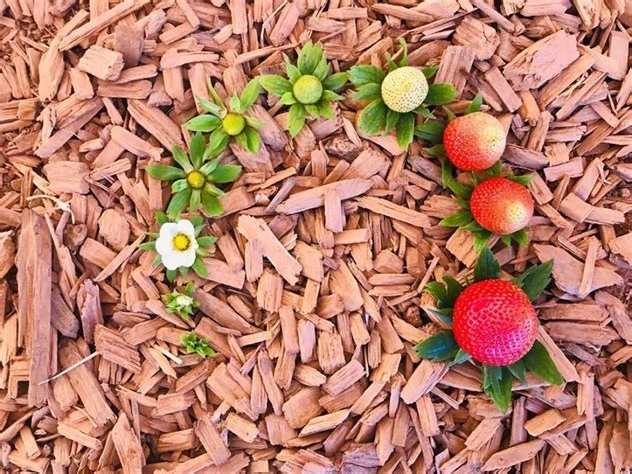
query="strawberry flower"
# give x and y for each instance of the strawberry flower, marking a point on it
(492, 322)
(183, 304)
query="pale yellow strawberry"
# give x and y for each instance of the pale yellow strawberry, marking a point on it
(404, 89)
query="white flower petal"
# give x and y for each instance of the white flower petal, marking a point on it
(186, 227)
(172, 260)
(164, 245)
(168, 229)
(187, 258)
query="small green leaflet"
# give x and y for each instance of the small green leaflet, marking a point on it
(438, 347)
(445, 293)
(487, 266)
(497, 383)
(431, 131)
(475, 106)
(458, 219)
(535, 279)
(460, 357)
(518, 370)
(540, 363)
(441, 94)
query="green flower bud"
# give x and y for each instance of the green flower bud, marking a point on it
(307, 90)
(233, 124)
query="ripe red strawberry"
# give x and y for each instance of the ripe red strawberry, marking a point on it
(474, 142)
(501, 206)
(494, 322)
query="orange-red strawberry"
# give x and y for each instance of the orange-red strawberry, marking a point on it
(501, 206)
(494, 322)
(474, 142)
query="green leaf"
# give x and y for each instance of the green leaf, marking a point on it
(179, 185)
(226, 173)
(322, 69)
(366, 74)
(506, 239)
(206, 240)
(287, 99)
(275, 84)
(454, 289)
(209, 166)
(367, 92)
(518, 370)
(253, 122)
(402, 43)
(291, 70)
(210, 107)
(487, 266)
(211, 204)
(392, 119)
(296, 119)
(161, 218)
(235, 104)
(461, 190)
(438, 290)
(441, 94)
(373, 117)
(431, 131)
(458, 219)
(523, 180)
(309, 57)
(198, 223)
(475, 105)
(336, 81)
(213, 190)
(430, 71)
(218, 141)
(540, 363)
(196, 199)
(312, 110)
(535, 279)
(203, 123)
(521, 237)
(405, 130)
(199, 268)
(425, 112)
(147, 246)
(326, 110)
(178, 203)
(164, 172)
(436, 150)
(443, 314)
(171, 274)
(197, 147)
(242, 140)
(497, 383)
(438, 347)
(250, 94)
(480, 240)
(182, 159)
(460, 357)
(331, 96)
(254, 141)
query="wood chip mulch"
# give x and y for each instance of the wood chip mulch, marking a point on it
(314, 293)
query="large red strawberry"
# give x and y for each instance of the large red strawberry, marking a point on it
(501, 206)
(494, 322)
(474, 142)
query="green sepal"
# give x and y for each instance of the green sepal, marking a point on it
(444, 315)
(473, 227)
(449, 114)
(540, 363)
(249, 95)
(366, 74)
(436, 150)
(454, 289)
(211, 204)
(252, 139)
(161, 218)
(497, 382)
(179, 185)
(521, 237)
(195, 200)
(171, 274)
(209, 166)
(402, 43)
(210, 107)
(458, 219)
(336, 81)
(322, 69)
(199, 268)
(198, 223)
(475, 105)
(312, 110)
(441, 94)
(326, 110)
(309, 57)
(480, 240)
(367, 92)
(206, 240)
(373, 117)
(165, 172)
(460, 357)
(204, 123)
(494, 171)
(197, 147)
(226, 173)
(506, 239)
(217, 143)
(178, 202)
(438, 347)
(518, 370)
(438, 290)
(523, 180)
(405, 130)
(291, 70)
(147, 246)
(330, 96)
(431, 131)
(463, 191)
(425, 112)
(180, 157)
(296, 119)
(487, 266)
(535, 279)
(275, 84)
(235, 104)
(430, 71)
(392, 119)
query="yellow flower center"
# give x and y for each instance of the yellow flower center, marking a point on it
(308, 90)
(233, 124)
(196, 180)
(181, 242)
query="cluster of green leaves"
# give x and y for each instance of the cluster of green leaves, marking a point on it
(195, 180)
(463, 219)
(497, 381)
(377, 117)
(204, 241)
(195, 344)
(229, 122)
(309, 89)
(181, 303)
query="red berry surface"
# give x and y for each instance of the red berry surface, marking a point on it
(474, 142)
(501, 206)
(494, 322)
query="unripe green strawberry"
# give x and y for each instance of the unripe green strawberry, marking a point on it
(494, 322)
(474, 142)
(404, 89)
(501, 206)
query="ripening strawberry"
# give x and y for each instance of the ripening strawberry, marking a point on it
(494, 322)
(474, 142)
(501, 206)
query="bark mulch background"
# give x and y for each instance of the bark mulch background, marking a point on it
(315, 320)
